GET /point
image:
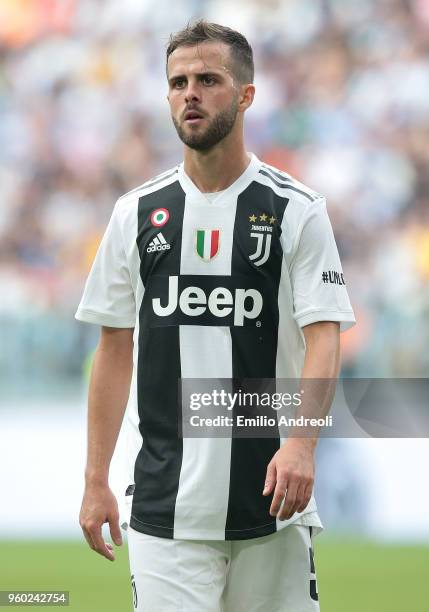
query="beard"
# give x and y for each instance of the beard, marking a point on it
(218, 128)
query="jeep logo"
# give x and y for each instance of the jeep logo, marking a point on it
(221, 302)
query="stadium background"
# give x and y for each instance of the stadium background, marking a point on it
(343, 104)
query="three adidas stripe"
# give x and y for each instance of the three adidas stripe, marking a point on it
(158, 243)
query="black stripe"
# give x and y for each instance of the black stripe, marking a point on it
(155, 181)
(254, 351)
(158, 463)
(171, 197)
(282, 177)
(313, 590)
(283, 186)
(312, 566)
(151, 182)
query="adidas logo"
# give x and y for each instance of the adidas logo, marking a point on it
(159, 243)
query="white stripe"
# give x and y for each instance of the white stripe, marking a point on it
(127, 452)
(293, 181)
(284, 192)
(207, 243)
(287, 367)
(202, 502)
(146, 189)
(161, 238)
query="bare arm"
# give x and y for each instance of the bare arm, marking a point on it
(107, 399)
(292, 467)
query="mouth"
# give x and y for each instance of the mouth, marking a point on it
(193, 117)
(194, 121)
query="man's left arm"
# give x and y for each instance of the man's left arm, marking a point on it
(291, 470)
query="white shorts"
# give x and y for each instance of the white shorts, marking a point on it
(274, 573)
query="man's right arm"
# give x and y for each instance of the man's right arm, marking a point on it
(107, 399)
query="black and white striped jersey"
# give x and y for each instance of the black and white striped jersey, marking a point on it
(215, 286)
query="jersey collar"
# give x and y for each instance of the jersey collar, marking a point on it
(227, 194)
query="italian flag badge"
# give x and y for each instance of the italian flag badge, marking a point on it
(207, 243)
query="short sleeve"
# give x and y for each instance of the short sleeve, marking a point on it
(318, 284)
(108, 298)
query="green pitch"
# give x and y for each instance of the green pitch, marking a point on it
(354, 576)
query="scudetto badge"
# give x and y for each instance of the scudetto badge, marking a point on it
(207, 243)
(159, 217)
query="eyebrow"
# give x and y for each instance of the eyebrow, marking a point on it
(178, 77)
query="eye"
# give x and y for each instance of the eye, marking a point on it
(208, 79)
(178, 83)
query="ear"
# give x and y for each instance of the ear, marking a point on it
(247, 93)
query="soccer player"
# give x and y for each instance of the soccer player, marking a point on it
(222, 267)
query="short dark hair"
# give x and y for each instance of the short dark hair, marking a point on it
(203, 31)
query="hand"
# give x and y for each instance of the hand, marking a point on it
(291, 473)
(99, 506)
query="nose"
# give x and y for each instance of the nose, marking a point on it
(192, 93)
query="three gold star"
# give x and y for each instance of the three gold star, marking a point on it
(262, 217)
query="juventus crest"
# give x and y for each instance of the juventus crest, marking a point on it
(263, 245)
(263, 234)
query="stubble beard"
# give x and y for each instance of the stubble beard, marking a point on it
(218, 128)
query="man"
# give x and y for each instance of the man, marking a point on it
(225, 268)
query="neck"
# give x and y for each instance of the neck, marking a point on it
(218, 168)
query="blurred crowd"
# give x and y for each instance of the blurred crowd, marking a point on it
(342, 103)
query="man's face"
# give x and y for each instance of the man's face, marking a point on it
(202, 93)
